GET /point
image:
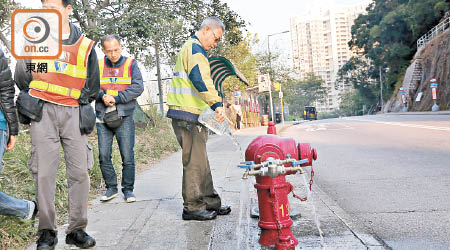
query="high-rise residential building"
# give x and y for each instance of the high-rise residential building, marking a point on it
(320, 39)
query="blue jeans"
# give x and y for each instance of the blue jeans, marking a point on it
(125, 139)
(9, 205)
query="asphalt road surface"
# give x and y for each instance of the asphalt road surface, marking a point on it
(391, 173)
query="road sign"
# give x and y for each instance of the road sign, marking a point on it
(280, 95)
(276, 85)
(402, 95)
(263, 83)
(433, 86)
(403, 99)
(419, 96)
(434, 93)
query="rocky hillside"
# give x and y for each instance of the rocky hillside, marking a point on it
(435, 64)
(431, 61)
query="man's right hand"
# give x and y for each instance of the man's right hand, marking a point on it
(220, 114)
(108, 100)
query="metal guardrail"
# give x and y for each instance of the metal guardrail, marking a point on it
(434, 32)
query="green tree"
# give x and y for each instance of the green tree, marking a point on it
(360, 75)
(387, 34)
(244, 60)
(305, 92)
(351, 102)
(146, 23)
(6, 8)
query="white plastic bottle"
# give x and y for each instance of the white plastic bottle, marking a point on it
(208, 119)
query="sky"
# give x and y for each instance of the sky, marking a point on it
(268, 17)
(265, 17)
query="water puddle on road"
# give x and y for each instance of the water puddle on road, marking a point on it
(247, 192)
(316, 218)
(243, 231)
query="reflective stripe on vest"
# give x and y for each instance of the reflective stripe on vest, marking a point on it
(182, 92)
(115, 79)
(112, 92)
(65, 76)
(56, 89)
(68, 69)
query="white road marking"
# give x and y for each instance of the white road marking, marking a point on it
(323, 127)
(402, 124)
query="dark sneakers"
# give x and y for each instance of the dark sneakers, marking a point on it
(80, 239)
(129, 196)
(109, 194)
(199, 215)
(47, 240)
(223, 210)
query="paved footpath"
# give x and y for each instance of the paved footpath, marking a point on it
(154, 221)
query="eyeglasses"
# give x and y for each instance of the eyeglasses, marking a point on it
(217, 39)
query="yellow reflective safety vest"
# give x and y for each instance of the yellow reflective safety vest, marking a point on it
(182, 92)
(115, 79)
(65, 77)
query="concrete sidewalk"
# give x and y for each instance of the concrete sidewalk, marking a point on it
(154, 221)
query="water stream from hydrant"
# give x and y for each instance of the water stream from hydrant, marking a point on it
(316, 218)
(238, 145)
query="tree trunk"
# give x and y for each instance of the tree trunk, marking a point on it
(5, 41)
(158, 72)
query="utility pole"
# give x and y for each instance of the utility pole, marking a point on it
(281, 103)
(381, 90)
(158, 73)
(270, 68)
(270, 81)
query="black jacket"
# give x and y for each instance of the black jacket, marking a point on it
(7, 95)
(88, 93)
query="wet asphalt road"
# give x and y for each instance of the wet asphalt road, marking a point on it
(390, 173)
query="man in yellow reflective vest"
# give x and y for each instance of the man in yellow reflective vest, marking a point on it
(120, 84)
(57, 103)
(191, 91)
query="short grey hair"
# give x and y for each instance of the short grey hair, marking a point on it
(109, 37)
(213, 22)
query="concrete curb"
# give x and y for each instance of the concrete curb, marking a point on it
(444, 112)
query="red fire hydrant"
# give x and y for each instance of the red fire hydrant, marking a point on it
(270, 158)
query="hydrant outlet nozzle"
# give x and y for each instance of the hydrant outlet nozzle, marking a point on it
(254, 172)
(295, 169)
(245, 175)
(274, 171)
